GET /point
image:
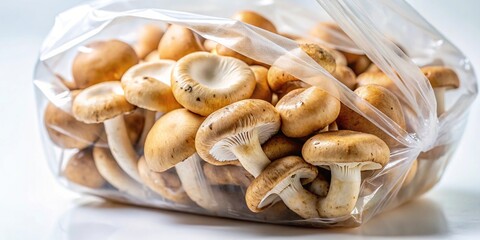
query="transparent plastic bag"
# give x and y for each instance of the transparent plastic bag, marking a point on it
(376, 27)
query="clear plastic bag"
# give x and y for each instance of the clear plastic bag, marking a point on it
(376, 27)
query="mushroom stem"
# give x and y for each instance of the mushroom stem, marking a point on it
(299, 200)
(440, 97)
(344, 189)
(121, 147)
(190, 173)
(109, 169)
(149, 121)
(250, 153)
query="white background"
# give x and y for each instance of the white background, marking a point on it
(34, 206)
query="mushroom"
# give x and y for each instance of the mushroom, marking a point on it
(81, 169)
(227, 175)
(304, 111)
(441, 78)
(102, 61)
(412, 171)
(147, 85)
(280, 146)
(134, 122)
(203, 82)
(105, 102)
(251, 18)
(290, 86)
(177, 42)
(255, 19)
(346, 76)
(67, 132)
(165, 149)
(149, 37)
(152, 56)
(346, 154)
(283, 178)
(377, 78)
(237, 132)
(209, 45)
(361, 65)
(382, 99)
(262, 90)
(111, 171)
(166, 184)
(320, 185)
(278, 77)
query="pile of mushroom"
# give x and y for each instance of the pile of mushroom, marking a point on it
(179, 117)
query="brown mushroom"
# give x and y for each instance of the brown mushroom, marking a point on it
(102, 61)
(81, 170)
(177, 42)
(149, 37)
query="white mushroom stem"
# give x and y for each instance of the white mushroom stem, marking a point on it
(109, 169)
(190, 173)
(440, 97)
(149, 121)
(297, 199)
(121, 147)
(247, 148)
(344, 189)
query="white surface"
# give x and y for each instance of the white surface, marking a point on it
(34, 206)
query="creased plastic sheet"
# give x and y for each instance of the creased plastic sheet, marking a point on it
(374, 26)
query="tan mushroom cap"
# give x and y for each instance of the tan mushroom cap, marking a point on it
(411, 173)
(381, 98)
(304, 111)
(134, 123)
(360, 65)
(346, 146)
(164, 148)
(345, 75)
(288, 167)
(166, 184)
(152, 56)
(290, 86)
(280, 146)
(149, 37)
(67, 132)
(147, 85)
(377, 78)
(102, 61)
(255, 19)
(262, 90)
(209, 45)
(237, 118)
(227, 52)
(81, 170)
(177, 42)
(441, 76)
(101, 102)
(227, 175)
(203, 82)
(278, 77)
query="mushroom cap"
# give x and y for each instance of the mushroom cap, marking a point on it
(278, 77)
(101, 102)
(255, 19)
(411, 173)
(203, 82)
(290, 86)
(227, 52)
(262, 90)
(258, 193)
(304, 111)
(345, 75)
(152, 56)
(209, 45)
(346, 146)
(227, 175)
(102, 61)
(171, 139)
(147, 85)
(67, 132)
(441, 76)
(280, 146)
(166, 184)
(360, 65)
(81, 170)
(383, 100)
(177, 42)
(149, 37)
(237, 118)
(377, 78)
